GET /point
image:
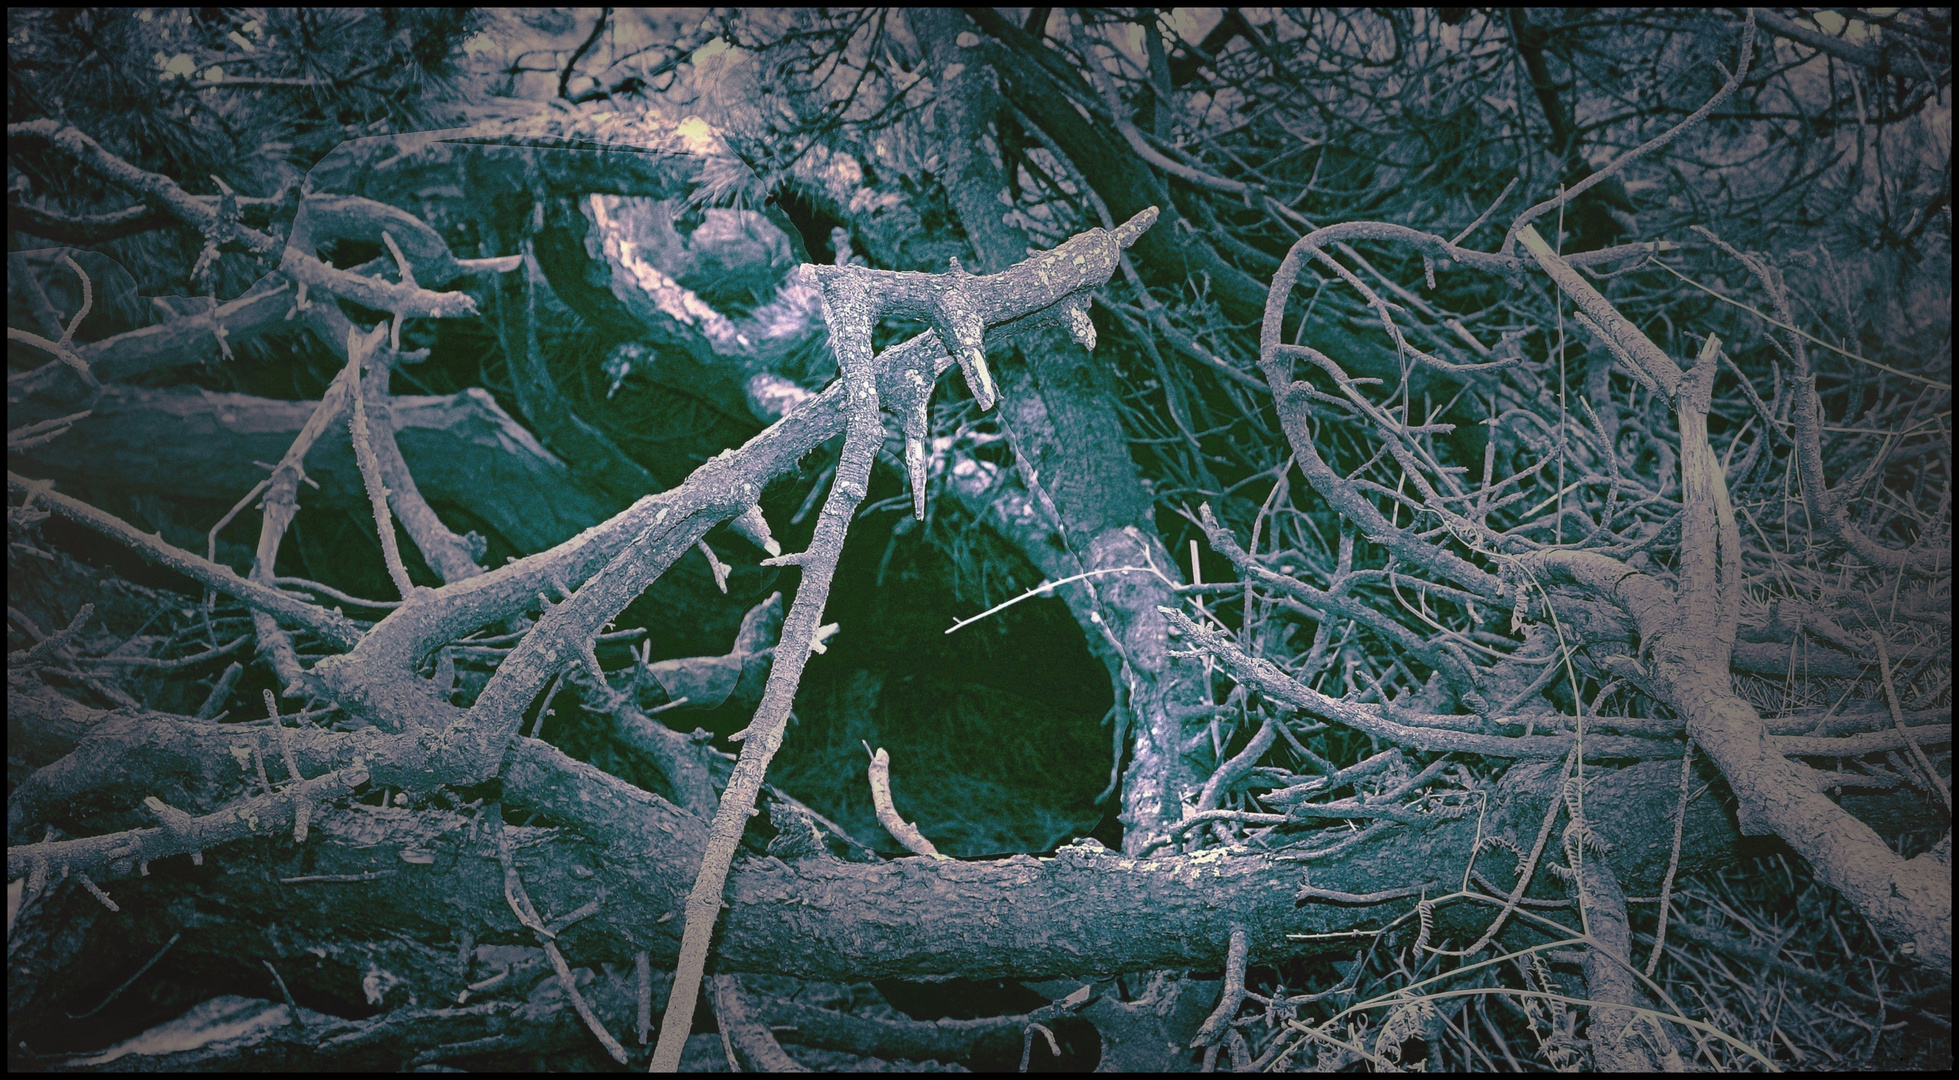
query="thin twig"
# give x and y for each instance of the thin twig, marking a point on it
(358, 350)
(520, 903)
(1673, 860)
(1618, 164)
(336, 629)
(131, 981)
(1898, 720)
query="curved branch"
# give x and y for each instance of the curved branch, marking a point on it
(1413, 731)
(571, 65)
(1618, 165)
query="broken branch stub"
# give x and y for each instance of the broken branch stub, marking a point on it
(960, 306)
(901, 830)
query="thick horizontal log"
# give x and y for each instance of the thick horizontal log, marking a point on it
(1084, 910)
(180, 342)
(463, 449)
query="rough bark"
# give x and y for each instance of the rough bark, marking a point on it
(464, 450)
(1064, 422)
(1086, 909)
